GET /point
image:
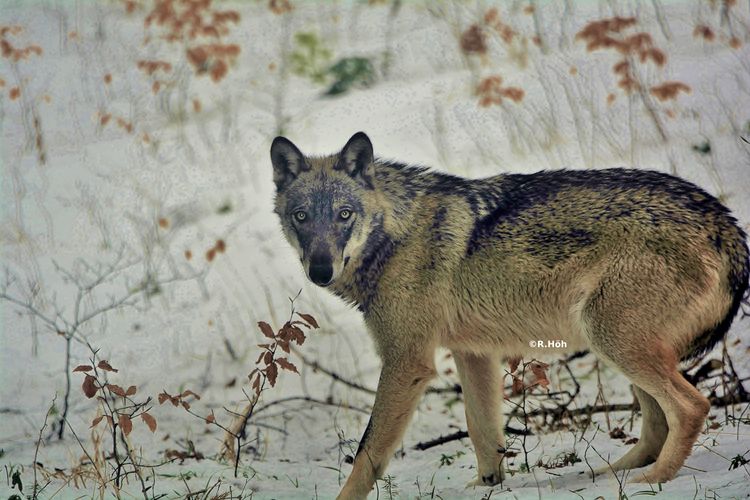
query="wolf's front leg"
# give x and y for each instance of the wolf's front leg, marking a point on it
(481, 382)
(402, 382)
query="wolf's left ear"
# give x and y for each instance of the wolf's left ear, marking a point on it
(356, 159)
(288, 162)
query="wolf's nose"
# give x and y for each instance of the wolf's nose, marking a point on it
(321, 273)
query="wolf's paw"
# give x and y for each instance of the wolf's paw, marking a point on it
(651, 477)
(601, 471)
(487, 480)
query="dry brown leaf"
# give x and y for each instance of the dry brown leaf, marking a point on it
(150, 421)
(514, 362)
(89, 386)
(284, 346)
(539, 370)
(116, 389)
(309, 319)
(189, 393)
(104, 365)
(286, 365)
(266, 329)
(271, 373)
(125, 424)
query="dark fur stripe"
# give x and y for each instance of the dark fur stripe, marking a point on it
(379, 249)
(362, 441)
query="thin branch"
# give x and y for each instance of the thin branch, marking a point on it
(309, 399)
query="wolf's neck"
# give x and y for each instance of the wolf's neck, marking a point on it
(394, 205)
(360, 283)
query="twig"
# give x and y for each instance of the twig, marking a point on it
(309, 399)
(317, 367)
(425, 445)
(103, 481)
(35, 492)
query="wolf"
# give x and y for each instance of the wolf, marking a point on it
(643, 268)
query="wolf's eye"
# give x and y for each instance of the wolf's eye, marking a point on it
(300, 216)
(345, 213)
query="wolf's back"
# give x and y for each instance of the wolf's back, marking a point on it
(556, 214)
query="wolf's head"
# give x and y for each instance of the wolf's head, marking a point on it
(322, 203)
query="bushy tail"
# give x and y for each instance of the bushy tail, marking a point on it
(739, 273)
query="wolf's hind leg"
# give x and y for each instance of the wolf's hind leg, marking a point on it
(481, 382)
(683, 406)
(685, 409)
(653, 434)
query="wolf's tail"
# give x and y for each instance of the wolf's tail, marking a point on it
(739, 271)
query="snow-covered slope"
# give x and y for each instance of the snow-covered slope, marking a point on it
(138, 184)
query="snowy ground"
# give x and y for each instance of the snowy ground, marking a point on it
(188, 165)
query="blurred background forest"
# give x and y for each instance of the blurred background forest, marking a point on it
(147, 296)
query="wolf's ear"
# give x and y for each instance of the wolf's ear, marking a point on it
(288, 162)
(356, 159)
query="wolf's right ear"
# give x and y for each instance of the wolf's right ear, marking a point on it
(288, 162)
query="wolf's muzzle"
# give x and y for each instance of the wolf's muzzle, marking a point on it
(321, 270)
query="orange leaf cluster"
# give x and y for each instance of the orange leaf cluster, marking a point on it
(125, 125)
(150, 67)
(105, 118)
(290, 332)
(597, 31)
(607, 34)
(279, 7)
(704, 32)
(189, 19)
(669, 90)
(9, 51)
(119, 391)
(10, 30)
(491, 91)
(130, 5)
(474, 40)
(91, 385)
(532, 374)
(492, 20)
(178, 399)
(219, 247)
(213, 59)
